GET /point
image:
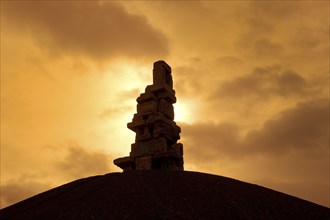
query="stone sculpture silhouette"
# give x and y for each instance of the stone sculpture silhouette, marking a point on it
(155, 144)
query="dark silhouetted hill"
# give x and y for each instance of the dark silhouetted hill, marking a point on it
(162, 195)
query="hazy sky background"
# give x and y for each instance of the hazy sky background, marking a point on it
(251, 79)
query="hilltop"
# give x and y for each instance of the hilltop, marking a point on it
(158, 194)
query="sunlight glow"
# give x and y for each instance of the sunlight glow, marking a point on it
(184, 111)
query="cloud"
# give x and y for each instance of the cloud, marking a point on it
(113, 112)
(185, 82)
(52, 166)
(231, 61)
(288, 148)
(264, 82)
(311, 189)
(290, 33)
(209, 142)
(21, 188)
(122, 103)
(94, 29)
(265, 47)
(304, 127)
(81, 162)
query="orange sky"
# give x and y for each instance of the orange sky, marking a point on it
(251, 79)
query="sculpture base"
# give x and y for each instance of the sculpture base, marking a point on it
(169, 160)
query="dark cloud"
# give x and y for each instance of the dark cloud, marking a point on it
(311, 45)
(266, 82)
(81, 162)
(286, 149)
(20, 188)
(98, 30)
(306, 39)
(260, 26)
(266, 48)
(304, 127)
(58, 164)
(282, 11)
(285, 32)
(276, 10)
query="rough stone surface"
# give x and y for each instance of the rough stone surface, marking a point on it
(166, 109)
(162, 74)
(143, 163)
(148, 106)
(156, 131)
(148, 147)
(156, 194)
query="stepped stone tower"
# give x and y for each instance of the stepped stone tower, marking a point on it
(156, 138)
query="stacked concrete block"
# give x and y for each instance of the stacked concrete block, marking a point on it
(155, 144)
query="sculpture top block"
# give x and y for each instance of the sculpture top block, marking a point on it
(162, 74)
(156, 137)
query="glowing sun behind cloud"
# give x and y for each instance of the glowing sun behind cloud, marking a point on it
(184, 111)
